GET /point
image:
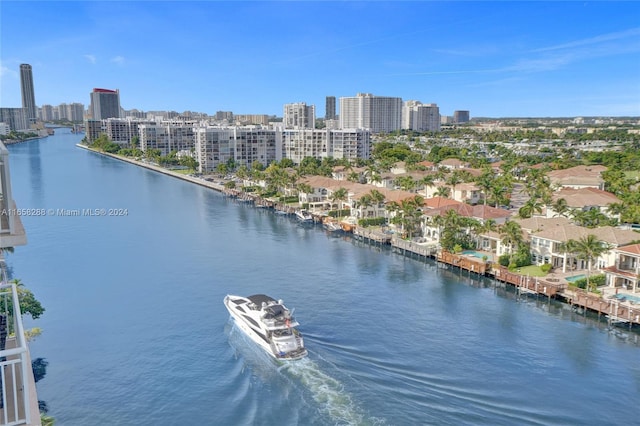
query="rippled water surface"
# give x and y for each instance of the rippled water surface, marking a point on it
(136, 333)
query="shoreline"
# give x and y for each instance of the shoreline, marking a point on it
(574, 298)
(159, 169)
(15, 141)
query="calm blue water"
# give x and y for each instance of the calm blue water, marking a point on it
(136, 333)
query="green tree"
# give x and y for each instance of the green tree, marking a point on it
(561, 208)
(443, 191)
(511, 234)
(587, 248)
(337, 196)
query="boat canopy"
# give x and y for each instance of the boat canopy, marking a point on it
(259, 298)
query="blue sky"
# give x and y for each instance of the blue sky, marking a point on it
(496, 59)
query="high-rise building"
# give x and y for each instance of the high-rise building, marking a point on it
(420, 117)
(14, 117)
(76, 111)
(375, 113)
(28, 94)
(105, 104)
(46, 113)
(299, 116)
(460, 116)
(224, 115)
(330, 108)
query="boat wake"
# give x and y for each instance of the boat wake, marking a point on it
(328, 392)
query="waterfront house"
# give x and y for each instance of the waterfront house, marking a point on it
(625, 273)
(480, 213)
(547, 245)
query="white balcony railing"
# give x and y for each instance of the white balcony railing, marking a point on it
(18, 399)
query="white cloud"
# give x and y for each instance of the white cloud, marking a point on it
(118, 60)
(91, 58)
(634, 32)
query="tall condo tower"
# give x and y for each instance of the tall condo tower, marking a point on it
(105, 104)
(330, 109)
(299, 116)
(366, 111)
(461, 116)
(28, 94)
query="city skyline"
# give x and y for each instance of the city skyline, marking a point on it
(494, 59)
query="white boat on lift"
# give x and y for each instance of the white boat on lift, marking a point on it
(269, 323)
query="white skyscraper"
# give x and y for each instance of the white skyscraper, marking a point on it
(366, 111)
(299, 115)
(420, 117)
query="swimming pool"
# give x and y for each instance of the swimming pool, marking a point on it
(628, 297)
(475, 254)
(575, 278)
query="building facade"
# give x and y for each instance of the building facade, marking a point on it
(330, 108)
(246, 145)
(15, 118)
(120, 130)
(375, 113)
(105, 104)
(461, 116)
(167, 137)
(28, 94)
(420, 117)
(299, 115)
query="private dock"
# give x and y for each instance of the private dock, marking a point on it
(371, 236)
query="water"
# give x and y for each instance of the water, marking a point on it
(629, 297)
(575, 278)
(136, 333)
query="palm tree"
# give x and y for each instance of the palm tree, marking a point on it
(364, 202)
(411, 213)
(587, 248)
(443, 191)
(377, 196)
(485, 181)
(591, 218)
(529, 208)
(338, 195)
(616, 209)
(428, 181)
(454, 179)
(304, 188)
(480, 228)
(406, 183)
(501, 190)
(353, 177)
(561, 208)
(511, 234)
(452, 227)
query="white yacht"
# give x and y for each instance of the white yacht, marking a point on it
(304, 216)
(268, 323)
